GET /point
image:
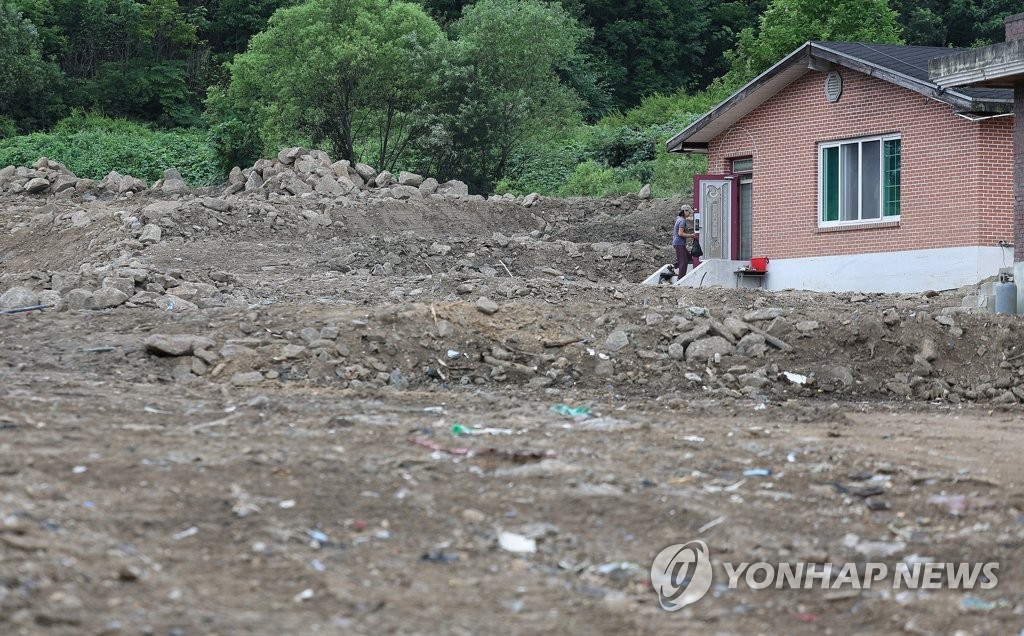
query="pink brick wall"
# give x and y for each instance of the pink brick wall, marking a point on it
(957, 176)
(1015, 27)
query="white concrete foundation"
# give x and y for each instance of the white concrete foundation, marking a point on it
(911, 271)
(889, 272)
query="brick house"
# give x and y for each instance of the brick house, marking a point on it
(851, 171)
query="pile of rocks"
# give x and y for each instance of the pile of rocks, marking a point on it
(295, 172)
(310, 173)
(47, 177)
(124, 282)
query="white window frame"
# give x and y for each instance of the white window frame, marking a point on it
(882, 218)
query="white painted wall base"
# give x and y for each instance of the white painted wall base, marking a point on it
(911, 271)
(889, 272)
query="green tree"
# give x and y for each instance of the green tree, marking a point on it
(646, 46)
(28, 99)
(502, 87)
(123, 57)
(348, 73)
(789, 23)
(960, 23)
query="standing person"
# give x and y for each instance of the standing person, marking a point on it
(682, 240)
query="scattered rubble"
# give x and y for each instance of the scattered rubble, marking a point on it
(341, 385)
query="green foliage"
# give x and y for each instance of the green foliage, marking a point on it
(959, 23)
(789, 23)
(498, 95)
(91, 146)
(27, 80)
(348, 73)
(647, 46)
(594, 180)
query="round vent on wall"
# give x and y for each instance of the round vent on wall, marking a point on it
(833, 86)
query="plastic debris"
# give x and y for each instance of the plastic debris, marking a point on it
(460, 430)
(516, 543)
(959, 504)
(795, 378)
(186, 533)
(975, 604)
(317, 565)
(317, 536)
(575, 411)
(304, 595)
(757, 472)
(287, 503)
(439, 556)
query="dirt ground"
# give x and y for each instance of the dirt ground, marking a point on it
(455, 416)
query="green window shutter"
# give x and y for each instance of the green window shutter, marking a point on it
(891, 169)
(830, 197)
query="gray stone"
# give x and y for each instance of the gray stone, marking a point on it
(429, 186)
(64, 282)
(150, 234)
(80, 218)
(486, 305)
(254, 182)
(108, 297)
(78, 299)
(18, 297)
(37, 185)
(170, 302)
(52, 298)
(708, 348)
(153, 212)
(406, 192)
(616, 340)
(838, 374)
(445, 329)
(770, 313)
(218, 205)
(235, 177)
(173, 182)
(126, 285)
(409, 179)
(453, 187)
(383, 179)
(752, 345)
(288, 156)
(676, 351)
(331, 187)
(250, 378)
(645, 192)
(177, 344)
(531, 199)
(365, 172)
(297, 186)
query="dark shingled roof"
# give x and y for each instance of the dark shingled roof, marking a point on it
(905, 66)
(911, 61)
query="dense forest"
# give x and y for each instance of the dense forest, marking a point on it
(568, 98)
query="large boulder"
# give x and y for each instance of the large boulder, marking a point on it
(173, 181)
(453, 187)
(18, 297)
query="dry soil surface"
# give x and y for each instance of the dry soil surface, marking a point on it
(453, 416)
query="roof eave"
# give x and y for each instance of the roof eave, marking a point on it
(809, 55)
(676, 143)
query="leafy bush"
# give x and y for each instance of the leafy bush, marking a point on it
(594, 180)
(91, 146)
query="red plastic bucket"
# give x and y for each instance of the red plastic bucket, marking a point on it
(759, 264)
